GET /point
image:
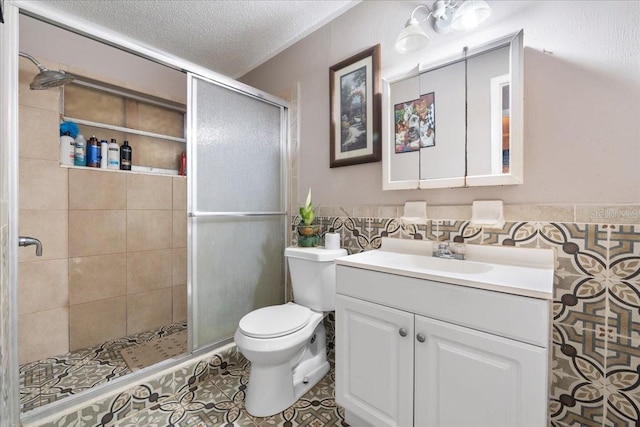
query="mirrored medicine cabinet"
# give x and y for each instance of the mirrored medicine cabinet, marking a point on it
(457, 122)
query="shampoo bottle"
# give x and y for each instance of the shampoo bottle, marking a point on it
(114, 155)
(104, 153)
(80, 158)
(93, 152)
(67, 150)
(125, 156)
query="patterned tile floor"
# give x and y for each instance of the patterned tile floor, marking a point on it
(219, 401)
(48, 380)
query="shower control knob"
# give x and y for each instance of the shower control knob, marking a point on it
(420, 337)
(402, 332)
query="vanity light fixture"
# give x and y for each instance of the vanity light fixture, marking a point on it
(448, 15)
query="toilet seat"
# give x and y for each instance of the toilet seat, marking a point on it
(275, 321)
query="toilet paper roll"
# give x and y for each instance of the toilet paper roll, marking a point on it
(332, 240)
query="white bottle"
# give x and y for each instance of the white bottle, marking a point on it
(114, 155)
(104, 154)
(67, 150)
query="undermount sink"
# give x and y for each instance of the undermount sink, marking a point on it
(441, 264)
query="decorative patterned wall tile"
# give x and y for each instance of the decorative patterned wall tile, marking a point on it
(458, 231)
(624, 251)
(623, 284)
(624, 308)
(581, 248)
(576, 402)
(578, 353)
(623, 381)
(353, 237)
(521, 234)
(579, 301)
(578, 375)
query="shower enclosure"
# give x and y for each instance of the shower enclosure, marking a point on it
(237, 164)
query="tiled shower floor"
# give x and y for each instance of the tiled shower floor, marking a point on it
(48, 380)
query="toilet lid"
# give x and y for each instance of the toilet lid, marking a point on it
(275, 321)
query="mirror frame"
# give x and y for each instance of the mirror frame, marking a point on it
(516, 121)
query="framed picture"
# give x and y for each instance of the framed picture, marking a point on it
(355, 94)
(415, 124)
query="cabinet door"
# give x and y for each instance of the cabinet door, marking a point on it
(469, 378)
(374, 362)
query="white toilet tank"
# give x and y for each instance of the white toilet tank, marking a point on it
(313, 276)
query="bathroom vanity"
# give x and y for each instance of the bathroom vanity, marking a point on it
(425, 341)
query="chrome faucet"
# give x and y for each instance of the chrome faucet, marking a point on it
(28, 241)
(443, 250)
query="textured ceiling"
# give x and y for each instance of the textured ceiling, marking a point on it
(230, 37)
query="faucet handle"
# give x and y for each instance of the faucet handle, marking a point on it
(458, 248)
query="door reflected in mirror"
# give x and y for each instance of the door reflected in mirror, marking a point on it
(500, 115)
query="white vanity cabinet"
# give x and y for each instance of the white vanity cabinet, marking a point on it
(465, 377)
(375, 362)
(423, 353)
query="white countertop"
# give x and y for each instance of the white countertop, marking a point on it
(535, 281)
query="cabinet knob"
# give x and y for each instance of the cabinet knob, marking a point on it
(402, 332)
(420, 337)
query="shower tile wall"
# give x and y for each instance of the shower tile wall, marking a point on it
(121, 254)
(114, 244)
(595, 330)
(43, 281)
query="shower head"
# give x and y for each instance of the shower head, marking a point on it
(46, 78)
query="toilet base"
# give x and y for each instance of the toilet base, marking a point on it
(281, 392)
(273, 389)
(307, 382)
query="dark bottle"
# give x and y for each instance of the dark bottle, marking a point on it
(93, 152)
(183, 164)
(125, 156)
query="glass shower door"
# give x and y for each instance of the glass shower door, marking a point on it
(236, 204)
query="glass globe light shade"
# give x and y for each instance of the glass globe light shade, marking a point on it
(470, 14)
(411, 38)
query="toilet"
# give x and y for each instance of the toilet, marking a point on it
(286, 344)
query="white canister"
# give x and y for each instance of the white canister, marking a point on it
(67, 150)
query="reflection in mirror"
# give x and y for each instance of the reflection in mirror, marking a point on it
(500, 120)
(486, 74)
(446, 84)
(475, 121)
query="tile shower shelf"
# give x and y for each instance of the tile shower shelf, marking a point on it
(139, 170)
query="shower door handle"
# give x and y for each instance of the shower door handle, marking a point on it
(28, 241)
